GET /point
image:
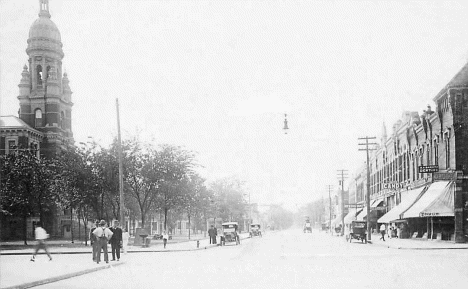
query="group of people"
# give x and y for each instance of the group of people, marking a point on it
(390, 232)
(101, 235)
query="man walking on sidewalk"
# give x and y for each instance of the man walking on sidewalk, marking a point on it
(116, 241)
(382, 231)
(103, 235)
(41, 236)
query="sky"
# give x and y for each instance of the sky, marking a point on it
(217, 77)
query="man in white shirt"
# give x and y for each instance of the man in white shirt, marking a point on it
(382, 231)
(103, 235)
(41, 236)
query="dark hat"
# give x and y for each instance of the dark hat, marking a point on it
(102, 223)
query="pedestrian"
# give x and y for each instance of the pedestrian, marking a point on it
(125, 237)
(165, 238)
(41, 236)
(103, 236)
(389, 232)
(212, 234)
(396, 231)
(93, 239)
(116, 240)
(382, 231)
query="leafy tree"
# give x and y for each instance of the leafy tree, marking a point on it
(25, 184)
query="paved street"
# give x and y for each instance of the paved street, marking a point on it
(287, 259)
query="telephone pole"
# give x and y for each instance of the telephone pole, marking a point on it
(121, 197)
(367, 149)
(342, 175)
(329, 198)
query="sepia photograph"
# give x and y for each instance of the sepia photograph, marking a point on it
(233, 144)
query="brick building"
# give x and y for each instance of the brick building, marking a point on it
(43, 124)
(423, 204)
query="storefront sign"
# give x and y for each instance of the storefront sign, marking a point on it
(428, 169)
(428, 214)
(378, 208)
(444, 176)
(394, 186)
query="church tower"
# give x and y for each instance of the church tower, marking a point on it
(44, 93)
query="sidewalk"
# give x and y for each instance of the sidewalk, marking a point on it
(16, 271)
(417, 244)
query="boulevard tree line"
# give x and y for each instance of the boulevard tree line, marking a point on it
(158, 180)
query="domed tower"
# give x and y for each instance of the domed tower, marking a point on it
(44, 95)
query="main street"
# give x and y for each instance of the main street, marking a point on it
(285, 259)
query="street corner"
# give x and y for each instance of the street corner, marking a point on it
(42, 271)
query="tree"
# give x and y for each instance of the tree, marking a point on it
(173, 165)
(25, 186)
(228, 199)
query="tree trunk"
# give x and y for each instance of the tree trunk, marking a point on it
(25, 229)
(165, 219)
(142, 219)
(71, 224)
(188, 226)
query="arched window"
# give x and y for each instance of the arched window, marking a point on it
(39, 74)
(38, 118)
(62, 117)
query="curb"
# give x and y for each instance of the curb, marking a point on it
(133, 251)
(416, 248)
(62, 277)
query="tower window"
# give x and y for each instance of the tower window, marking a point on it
(38, 118)
(39, 74)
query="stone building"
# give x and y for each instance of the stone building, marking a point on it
(416, 170)
(43, 124)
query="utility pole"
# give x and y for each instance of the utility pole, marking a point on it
(122, 216)
(342, 175)
(367, 149)
(329, 198)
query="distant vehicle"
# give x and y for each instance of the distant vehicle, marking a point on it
(255, 230)
(230, 233)
(357, 231)
(307, 227)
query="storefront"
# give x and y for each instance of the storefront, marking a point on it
(392, 217)
(432, 215)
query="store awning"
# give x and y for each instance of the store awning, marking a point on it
(351, 216)
(436, 201)
(336, 221)
(363, 213)
(407, 200)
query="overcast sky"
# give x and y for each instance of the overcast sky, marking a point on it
(216, 77)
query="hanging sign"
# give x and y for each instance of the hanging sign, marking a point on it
(428, 169)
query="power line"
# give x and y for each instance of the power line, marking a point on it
(367, 149)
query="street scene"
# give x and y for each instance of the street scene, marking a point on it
(234, 144)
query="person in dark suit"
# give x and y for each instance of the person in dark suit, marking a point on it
(212, 234)
(116, 240)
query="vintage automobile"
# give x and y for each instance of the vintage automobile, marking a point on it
(357, 230)
(255, 230)
(230, 233)
(307, 227)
